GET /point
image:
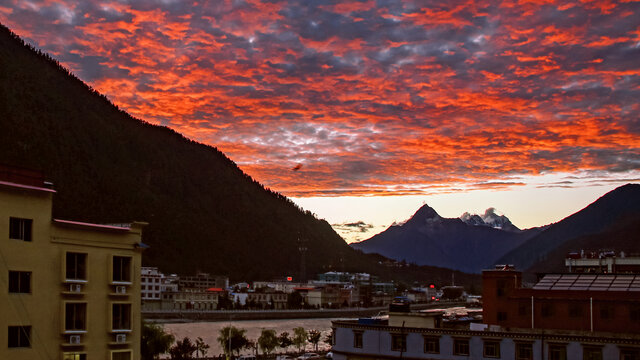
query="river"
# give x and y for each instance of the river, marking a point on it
(209, 331)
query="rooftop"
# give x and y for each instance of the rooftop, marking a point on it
(590, 282)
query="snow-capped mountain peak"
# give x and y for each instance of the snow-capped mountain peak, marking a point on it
(491, 219)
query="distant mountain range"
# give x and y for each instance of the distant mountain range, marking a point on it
(475, 242)
(204, 213)
(490, 219)
(470, 243)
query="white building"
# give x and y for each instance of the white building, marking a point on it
(421, 338)
(151, 282)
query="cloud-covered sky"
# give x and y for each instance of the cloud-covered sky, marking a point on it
(365, 98)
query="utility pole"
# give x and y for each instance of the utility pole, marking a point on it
(302, 247)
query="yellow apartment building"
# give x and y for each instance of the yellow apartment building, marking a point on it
(68, 290)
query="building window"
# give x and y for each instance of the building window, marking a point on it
(121, 317)
(76, 266)
(431, 345)
(629, 354)
(523, 309)
(357, 339)
(121, 355)
(502, 316)
(524, 351)
(398, 342)
(122, 269)
(634, 312)
(547, 310)
(491, 349)
(74, 356)
(461, 347)
(606, 312)
(500, 287)
(575, 310)
(20, 229)
(75, 316)
(557, 352)
(19, 336)
(20, 282)
(592, 353)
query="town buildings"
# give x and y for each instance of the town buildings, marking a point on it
(150, 283)
(563, 317)
(70, 290)
(602, 262)
(577, 302)
(202, 281)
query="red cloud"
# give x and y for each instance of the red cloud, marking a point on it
(374, 99)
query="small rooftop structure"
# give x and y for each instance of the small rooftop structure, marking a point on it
(602, 261)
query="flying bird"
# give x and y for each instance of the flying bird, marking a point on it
(297, 167)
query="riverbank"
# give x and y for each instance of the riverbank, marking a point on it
(209, 331)
(234, 315)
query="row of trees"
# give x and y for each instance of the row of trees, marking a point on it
(232, 340)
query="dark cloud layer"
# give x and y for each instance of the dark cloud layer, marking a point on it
(372, 97)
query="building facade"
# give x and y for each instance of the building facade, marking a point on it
(150, 283)
(578, 302)
(601, 262)
(562, 317)
(356, 340)
(190, 300)
(202, 281)
(70, 290)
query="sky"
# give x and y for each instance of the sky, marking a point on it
(363, 111)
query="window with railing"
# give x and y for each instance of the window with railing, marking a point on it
(524, 351)
(431, 344)
(592, 353)
(491, 349)
(461, 347)
(557, 352)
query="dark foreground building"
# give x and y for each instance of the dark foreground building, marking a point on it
(562, 317)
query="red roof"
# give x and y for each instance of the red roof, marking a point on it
(22, 186)
(215, 290)
(84, 224)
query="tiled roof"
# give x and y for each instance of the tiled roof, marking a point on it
(589, 282)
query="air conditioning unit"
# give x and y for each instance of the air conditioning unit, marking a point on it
(75, 288)
(121, 338)
(74, 339)
(121, 289)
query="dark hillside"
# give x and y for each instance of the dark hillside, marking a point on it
(204, 212)
(623, 235)
(616, 206)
